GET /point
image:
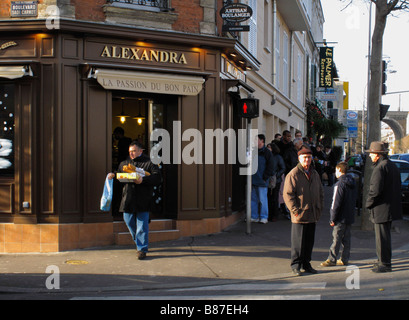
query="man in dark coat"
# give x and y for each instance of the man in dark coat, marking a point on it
(137, 197)
(259, 181)
(383, 202)
(330, 164)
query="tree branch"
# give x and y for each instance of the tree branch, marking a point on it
(396, 5)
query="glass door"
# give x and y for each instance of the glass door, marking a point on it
(134, 117)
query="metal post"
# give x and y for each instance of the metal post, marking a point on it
(248, 191)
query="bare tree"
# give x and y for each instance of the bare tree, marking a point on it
(383, 9)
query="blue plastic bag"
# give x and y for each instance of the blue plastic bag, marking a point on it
(106, 198)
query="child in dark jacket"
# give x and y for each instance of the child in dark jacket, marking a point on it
(342, 216)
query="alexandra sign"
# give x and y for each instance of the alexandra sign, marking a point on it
(236, 12)
(143, 54)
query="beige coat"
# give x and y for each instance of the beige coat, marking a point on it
(303, 197)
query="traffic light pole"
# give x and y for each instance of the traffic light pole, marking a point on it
(248, 189)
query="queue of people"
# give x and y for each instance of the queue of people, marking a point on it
(283, 152)
(293, 171)
(299, 168)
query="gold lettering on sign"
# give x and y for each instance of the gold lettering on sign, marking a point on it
(8, 45)
(143, 54)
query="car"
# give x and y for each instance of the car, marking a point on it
(400, 156)
(356, 162)
(403, 167)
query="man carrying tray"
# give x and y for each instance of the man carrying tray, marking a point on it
(137, 195)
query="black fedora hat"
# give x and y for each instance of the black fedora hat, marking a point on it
(377, 147)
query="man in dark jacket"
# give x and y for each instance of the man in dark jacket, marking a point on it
(137, 197)
(342, 216)
(259, 182)
(383, 202)
(330, 164)
(290, 155)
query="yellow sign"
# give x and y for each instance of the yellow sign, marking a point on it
(346, 95)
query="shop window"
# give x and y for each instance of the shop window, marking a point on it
(143, 13)
(6, 130)
(163, 5)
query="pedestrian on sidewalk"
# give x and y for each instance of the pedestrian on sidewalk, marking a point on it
(330, 164)
(342, 216)
(278, 171)
(383, 202)
(304, 196)
(137, 197)
(259, 180)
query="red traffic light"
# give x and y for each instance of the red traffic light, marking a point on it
(248, 108)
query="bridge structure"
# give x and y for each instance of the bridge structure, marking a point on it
(397, 121)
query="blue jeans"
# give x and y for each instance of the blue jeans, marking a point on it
(259, 196)
(138, 225)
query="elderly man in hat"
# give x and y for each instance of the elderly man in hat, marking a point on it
(383, 203)
(304, 196)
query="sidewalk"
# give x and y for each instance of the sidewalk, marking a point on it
(231, 255)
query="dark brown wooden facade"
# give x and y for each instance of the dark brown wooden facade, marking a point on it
(63, 125)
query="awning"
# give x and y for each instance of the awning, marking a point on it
(148, 81)
(14, 72)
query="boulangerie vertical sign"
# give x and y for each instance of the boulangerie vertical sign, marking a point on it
(326, 65)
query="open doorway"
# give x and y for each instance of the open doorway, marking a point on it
(134, 117)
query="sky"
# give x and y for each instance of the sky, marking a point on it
(349, 28)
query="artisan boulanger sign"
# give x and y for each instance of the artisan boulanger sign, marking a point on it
(326, 65)
(236, 12)
(143, 54)
(233, 14)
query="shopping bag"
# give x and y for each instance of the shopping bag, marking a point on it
(106, 198)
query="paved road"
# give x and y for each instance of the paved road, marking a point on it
(228, 265)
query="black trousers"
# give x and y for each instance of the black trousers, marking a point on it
(383, 243)
(302, 243)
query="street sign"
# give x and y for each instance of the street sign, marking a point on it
(353, 133)
(352, 115)
(24, 8)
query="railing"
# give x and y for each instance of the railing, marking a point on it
(163, 5)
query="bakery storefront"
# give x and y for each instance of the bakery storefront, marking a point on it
(70, 101)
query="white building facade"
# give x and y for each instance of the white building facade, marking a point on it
(284, 37)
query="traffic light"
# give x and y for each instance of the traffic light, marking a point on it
(248, 108)
(384, 76)
(383, 109)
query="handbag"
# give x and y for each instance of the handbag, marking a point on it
(106, 198)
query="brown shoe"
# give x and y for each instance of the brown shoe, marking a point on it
(341, 263)
(141, 255)
(327, 263)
